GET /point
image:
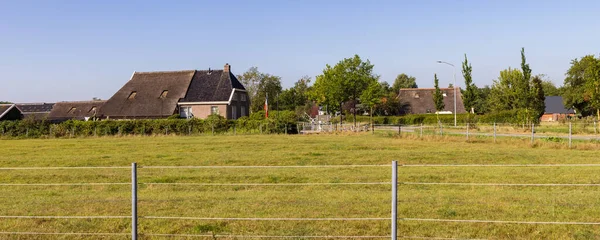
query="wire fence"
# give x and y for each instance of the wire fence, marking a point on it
(394, 218)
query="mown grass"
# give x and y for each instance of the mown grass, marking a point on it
(564, 204)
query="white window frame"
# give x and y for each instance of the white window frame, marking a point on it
(212, 110)
(186, 112)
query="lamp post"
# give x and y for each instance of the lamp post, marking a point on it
(453, 86)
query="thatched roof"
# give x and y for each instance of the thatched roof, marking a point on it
(77, 110)
(156, 94)
(36, 111)
(420, 100)
(144, 95)
(9, 112)
(212, 86)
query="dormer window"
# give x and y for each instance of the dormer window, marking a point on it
(164, 93)
(72, 110)
(93, 109)
(444, 94)
(132, 95)
(416, 95)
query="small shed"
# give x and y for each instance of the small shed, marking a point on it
(555, 109)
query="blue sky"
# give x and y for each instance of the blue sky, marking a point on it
(76, 50)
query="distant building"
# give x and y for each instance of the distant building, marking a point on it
(10, 112)
(555, 109)
(420, 101)
(192, 93)
(36, 111)
(76, 110)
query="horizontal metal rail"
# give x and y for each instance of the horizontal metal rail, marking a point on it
(497, 221)
(270, 184)
(508, 184)
(70, 233)
(65, 217)
(289, 166)
(258, 236)
(61, 184)
(501, 165)
(59, 168)
(267, 219)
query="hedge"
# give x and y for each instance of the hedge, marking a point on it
(282, 123)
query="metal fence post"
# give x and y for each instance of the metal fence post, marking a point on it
(570, 131)
(595, 131)
(134, 225)
(467, 131)
(421, 130)
(532, 133)
(494, 132)
(394, 200)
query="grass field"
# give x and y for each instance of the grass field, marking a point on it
(518, 203)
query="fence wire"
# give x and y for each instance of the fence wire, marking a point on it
(270, 184)
(497, 221)
(267, 219)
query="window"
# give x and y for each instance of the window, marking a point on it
(233, 112)
(186, 112)
(132, 95)
(444, 94)
(243, 98)
(214, 110)
(72, 110)
(234, 97)
(93, 109)
(163, 95)
(243, 112)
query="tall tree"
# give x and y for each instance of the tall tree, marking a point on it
(537, 103)
(251, 78)
(481, 103)
(371, 97)
(575, 95)
(404, 81)
(438, 97)
(592, 86)
(549, 88)
(504, 94)
(269, 85)
(470, 93)
(344, 82)
(522, 91)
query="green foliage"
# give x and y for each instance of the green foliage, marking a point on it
(537, 98)
(438, 97)
(344, 82)
(481, 101)
(549, 88)
(579, 78)
(469, 96)
(404, 81)
(270, 86)
(504, 94)
(5, 102)
(522, 87)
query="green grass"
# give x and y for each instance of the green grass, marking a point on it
(572, 204)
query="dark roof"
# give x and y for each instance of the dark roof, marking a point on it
(148, 87)
(9, 112)
(420, 100)
(554, 104)
(35, 107)
(77, 110)
(212, 86)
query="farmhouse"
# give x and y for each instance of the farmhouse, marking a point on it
(420, 101)
(37, 111)
(10, 112)
(191, 93)
(555, 109)
(76, 110)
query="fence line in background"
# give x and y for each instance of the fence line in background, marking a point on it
(58, 168)
(62, 184)
(256, 236)
(502, 165)
(508, 184)
(79, 234)
(299, 166)
(65, 217)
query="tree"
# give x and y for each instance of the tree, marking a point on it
(592, 86)
(371, 97)
(5, 102)
(404, 81)
(575, 95)
(481, 102)
(268, 85)
(504, 93)
(438, 97)
(537, 103)
(549, 88)
(251, 78)
(344, 82)
(385, 87)
(522, 91)
(470, 93)
(296, 97)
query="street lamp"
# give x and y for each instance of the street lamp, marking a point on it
(453, 86)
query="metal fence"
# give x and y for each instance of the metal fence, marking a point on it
(316, 127)
(393, 218)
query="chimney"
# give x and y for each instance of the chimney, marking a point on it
(227, 68)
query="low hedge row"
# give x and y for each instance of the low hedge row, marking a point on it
(212, 125)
